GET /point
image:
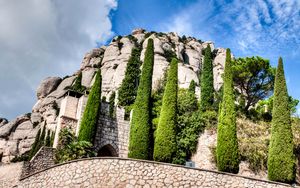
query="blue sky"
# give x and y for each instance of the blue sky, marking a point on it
(267, 28)
(50, 37)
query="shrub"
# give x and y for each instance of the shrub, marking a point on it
(128, 89)
(91, 112)
(281, 160)
(69, 148)
(253, 141)
(207, 82)
(139, 141)
(169, 55)
(227, 144)
(190, 124)
(165, 137)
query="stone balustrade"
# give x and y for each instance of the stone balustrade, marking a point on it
(122, 172)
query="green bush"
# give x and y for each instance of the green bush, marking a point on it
(169, 55)
(140, 128)
(281, 160)
(69, 148)
(227, 144)
(190, 124)
(128, 89)
(165, 137)
(207, 82)
(91, 112)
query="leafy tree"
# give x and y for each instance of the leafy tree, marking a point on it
(165, 137)
(207, 82)
(253, 79)
(227, 144)
(281, 157)
(140, 128)
(112, 104)
(128, 89)
(264, 107)
(91, 112)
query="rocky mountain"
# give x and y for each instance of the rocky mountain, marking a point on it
(17, 136)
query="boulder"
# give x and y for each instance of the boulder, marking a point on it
(35, 118)
(47, 86)
(6, 129)
(61, 89)
(92, 58)
(186, 75)
(87, 77)
(3, 121)
(218, 69)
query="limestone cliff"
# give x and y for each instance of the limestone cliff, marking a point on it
(17, 136)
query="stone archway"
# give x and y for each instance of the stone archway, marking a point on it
(107, 151)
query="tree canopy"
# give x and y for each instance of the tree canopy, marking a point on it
(253, 79)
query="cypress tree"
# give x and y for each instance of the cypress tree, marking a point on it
(128, 89)
(140, 128)
(165, 137)
(192, 86)
(90, 116)
(35, 144)
(48, 139)
(227, 144)
(207, 81)
(112, 104)
(281, 157)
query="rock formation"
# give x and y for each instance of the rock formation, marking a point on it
(17, 136)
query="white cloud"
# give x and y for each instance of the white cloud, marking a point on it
(45, 38)
(249, 26)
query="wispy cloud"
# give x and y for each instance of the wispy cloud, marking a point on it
(247, 25)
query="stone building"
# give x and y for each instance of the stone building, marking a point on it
(112, 134)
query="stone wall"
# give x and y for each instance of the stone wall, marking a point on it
(112, 131)
(117, 172)
(43, 159)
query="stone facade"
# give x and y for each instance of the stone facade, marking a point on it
(43, 159)
(116, 172)
(71, 110)
(112, 132)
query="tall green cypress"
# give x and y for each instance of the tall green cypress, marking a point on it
(128, 89)
(227, 144)
(35, 144)
(281, 159)
(91, 112)
(165, 137)
(192, 86)
(48, 139)
(140, 128)
(207, 81)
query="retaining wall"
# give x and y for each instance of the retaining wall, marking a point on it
(120, 172)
